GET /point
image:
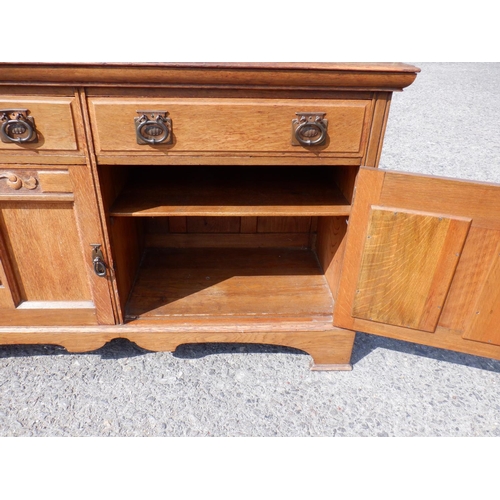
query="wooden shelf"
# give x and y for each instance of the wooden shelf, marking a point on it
(240, 286)
(229, 191)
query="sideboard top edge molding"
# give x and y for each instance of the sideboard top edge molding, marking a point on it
(388, 76)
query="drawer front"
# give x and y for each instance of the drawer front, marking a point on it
(230, 127)
(54, 123)
(40, 183)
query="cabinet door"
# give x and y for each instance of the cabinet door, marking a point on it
(422, 262)
(48, 221)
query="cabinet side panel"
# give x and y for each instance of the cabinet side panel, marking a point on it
(127, 242)
(44, 247)
(381, 112)
(330, 248)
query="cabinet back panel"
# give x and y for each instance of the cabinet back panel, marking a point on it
(229, 232)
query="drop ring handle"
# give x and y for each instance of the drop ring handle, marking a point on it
(6, 125)
(318, 124)
(159, 122)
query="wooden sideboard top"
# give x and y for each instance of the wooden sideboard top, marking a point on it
(347, 76)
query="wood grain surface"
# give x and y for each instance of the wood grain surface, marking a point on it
(212, 283)
(229, 126)
(409, 259)
(230, 192)
(55, 126)
(470, 309)
(362, 76)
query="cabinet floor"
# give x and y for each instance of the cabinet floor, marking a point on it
(259, 284)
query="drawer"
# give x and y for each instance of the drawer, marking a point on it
(228, 127)
(16, 183)
(52, 122)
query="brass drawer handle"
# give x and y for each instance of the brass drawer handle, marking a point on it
(309, 129)
(153, 127)
(17, 126)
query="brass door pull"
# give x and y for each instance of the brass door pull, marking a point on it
(100, 267)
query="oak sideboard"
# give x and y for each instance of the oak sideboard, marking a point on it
(186, 203)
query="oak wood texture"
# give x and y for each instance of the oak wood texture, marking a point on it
(484, 325)
(243, 159)
(409, 259)
(228, 240)
(54, 117)
(457, 201)
(6, 299)
(253, 284)
(477, 200)
(97, 198)
(330, 348)
(90, 232)
(47, 267)
(329, 246)
(473, 268)
(231, 192)
(10, 296)
(360, 76)
(127, 239)
(31, 183)
(55, 181)
(229, 126)
(49, 314)
(271, 245)
(48, 274)
(382, 102)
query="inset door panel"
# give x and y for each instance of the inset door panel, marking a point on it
(408, 262)
(422, 261)
(47, 267)
(48, 224)
(485, 323)
(475, 264)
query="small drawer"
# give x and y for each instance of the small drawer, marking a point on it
(39, 129)
(21, 182)
(226, 127)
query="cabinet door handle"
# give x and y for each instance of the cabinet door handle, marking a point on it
(309, 129)
(153, 127)
(100, 267)
(17, 126)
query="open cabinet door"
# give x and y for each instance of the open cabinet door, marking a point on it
(422, 262)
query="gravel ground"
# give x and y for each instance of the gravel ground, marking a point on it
(445, 124)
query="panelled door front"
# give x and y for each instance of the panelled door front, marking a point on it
(48, 221)
(422, 261)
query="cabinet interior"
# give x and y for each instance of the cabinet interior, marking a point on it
(226, 244)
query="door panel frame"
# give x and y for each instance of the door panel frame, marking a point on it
(444, 197)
